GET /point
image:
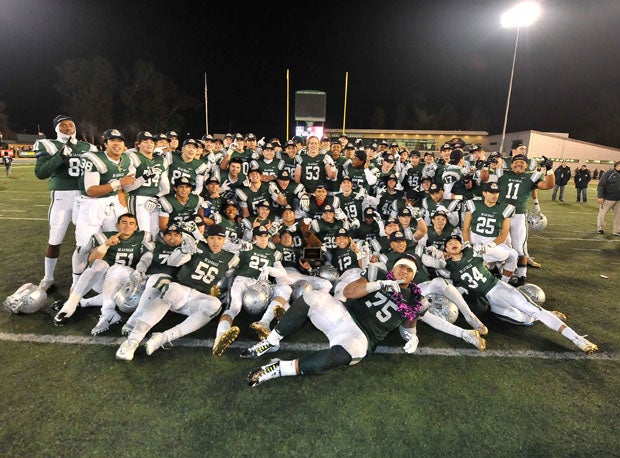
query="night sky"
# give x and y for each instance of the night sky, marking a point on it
(425, 52)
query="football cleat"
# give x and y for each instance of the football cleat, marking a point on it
(473, 337)
(585, 345)
(57, 305)
(259, 349)
(157, 340)
(127, 349)
(224, 341)
(517, 281)
(482, 329)
(278, 312)
(269, 371)
(261, 330)
(104, 323)
(127, 328)
(60, 319)
(559, 315)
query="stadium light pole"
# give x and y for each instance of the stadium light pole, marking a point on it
(521, 15)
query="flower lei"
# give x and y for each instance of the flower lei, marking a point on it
(409, 311)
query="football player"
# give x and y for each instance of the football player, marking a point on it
(59, 160)
(467, 270)
(373, 309)
(114, 256)
(259, 262)
(194, 293)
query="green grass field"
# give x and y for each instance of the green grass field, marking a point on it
(532, 394)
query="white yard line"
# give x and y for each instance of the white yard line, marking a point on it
(422, 351)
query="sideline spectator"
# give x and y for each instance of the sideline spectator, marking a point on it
(608, 192)
(582, 178)
(562, 177)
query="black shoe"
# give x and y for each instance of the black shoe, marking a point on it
(517, 281)
(57, 305)
(601, 231)
(60, 319)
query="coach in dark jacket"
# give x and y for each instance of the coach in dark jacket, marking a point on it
(562, 177)
(582, 178)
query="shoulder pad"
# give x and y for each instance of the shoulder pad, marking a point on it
(96, 161)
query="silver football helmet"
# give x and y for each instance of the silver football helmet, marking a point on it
(329, 273)
(536, 221)
(534, 293)
(443, 307)
(256, 298)
(29, 298)
(128, 296)
(299, 288)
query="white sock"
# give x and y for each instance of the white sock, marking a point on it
(222, 327)
(288, 368)
(50, 267)
(274, 338)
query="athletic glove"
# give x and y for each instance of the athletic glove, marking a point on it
(137, 276)
(304, 202)
(189, 244)
(546, 163)
(354, 223)
(388, 286)
(261, 142)
(478, 248)
(66, 151)
(340, 215)
(149, 173)
(151, 205)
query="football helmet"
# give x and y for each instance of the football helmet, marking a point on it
(128, 296)
(534, 293)
(329, 273)
(443, 307)
(536, 221)
(299, 288)
(256, 298)
(29, 298)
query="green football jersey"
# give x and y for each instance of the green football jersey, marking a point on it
(516, 189)
(413, 177)
(63, 172)
(178, 211)
(252, 262)
(376, 314)
(253, 198)
(437, 239)
(351, 206)
(108, 169)
(234, 229)
(471, 273)
(159, 165)
(343, 259)
(205, 268)
(159, 265)
(179, 168)
(487, 221)
(128, 252)
(312, 171)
